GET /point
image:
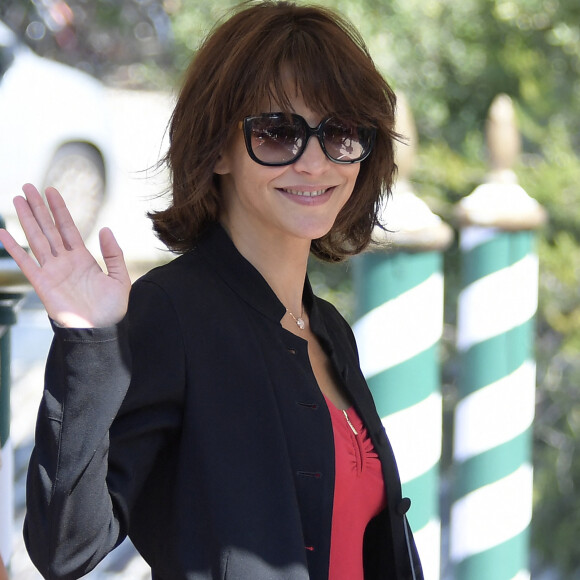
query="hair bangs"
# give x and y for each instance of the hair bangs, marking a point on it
(303, 52)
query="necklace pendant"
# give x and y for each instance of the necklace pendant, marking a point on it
(299, 321)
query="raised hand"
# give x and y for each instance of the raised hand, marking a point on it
(68, 280)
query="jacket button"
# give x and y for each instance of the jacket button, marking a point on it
(313, 406)
(403, 506)
(311, 474)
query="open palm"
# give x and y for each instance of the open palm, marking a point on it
(74, 289)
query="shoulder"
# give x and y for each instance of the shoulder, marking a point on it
(187, 274)
(199, 271)
(164, 295)
(188, 292)
(183, 267)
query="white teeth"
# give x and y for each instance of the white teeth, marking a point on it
(305, 193)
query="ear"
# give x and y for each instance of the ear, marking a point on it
(222, 165)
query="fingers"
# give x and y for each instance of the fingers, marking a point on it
(25, 262)
(20, 256)
(38, 224)
(37, 241)
(113, 257)
(69, 233)
(48, 229)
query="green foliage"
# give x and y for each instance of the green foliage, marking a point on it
(557, 458)
(334, 283)
(192, 21)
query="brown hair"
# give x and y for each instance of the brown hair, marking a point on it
(236, 70)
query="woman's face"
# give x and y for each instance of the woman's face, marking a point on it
(297, 201)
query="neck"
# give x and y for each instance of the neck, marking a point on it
(281, 261)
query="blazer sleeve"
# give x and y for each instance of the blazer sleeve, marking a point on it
(106, 413)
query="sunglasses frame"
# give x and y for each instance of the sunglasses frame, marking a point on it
(318, 131)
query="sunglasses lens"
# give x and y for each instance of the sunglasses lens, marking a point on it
(276, 139)
(345, 142)
(280, 139)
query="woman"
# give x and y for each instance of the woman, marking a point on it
(222, 422)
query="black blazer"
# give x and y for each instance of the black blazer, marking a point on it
(196, 426)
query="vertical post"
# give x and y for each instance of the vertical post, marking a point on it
(6, 466)
(400, 301)
(12, 290)
(492, 499)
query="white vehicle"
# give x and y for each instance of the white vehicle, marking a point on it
(54, 130)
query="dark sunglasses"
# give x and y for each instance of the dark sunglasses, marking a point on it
(276, 139)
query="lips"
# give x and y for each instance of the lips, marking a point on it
(307, 193)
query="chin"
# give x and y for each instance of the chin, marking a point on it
(313, 231)
(317, 228)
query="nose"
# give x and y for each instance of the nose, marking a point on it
(313, 160)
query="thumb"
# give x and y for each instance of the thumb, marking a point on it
(113, 257)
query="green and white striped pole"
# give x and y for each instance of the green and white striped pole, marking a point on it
(492, 499)
(400, 301)
(12, 290)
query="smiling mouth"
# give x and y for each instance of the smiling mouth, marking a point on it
(301, 193)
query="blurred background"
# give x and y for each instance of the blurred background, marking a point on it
(111, 101)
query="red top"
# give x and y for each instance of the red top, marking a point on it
(359, 493)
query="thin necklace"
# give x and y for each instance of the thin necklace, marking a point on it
(299, 321)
